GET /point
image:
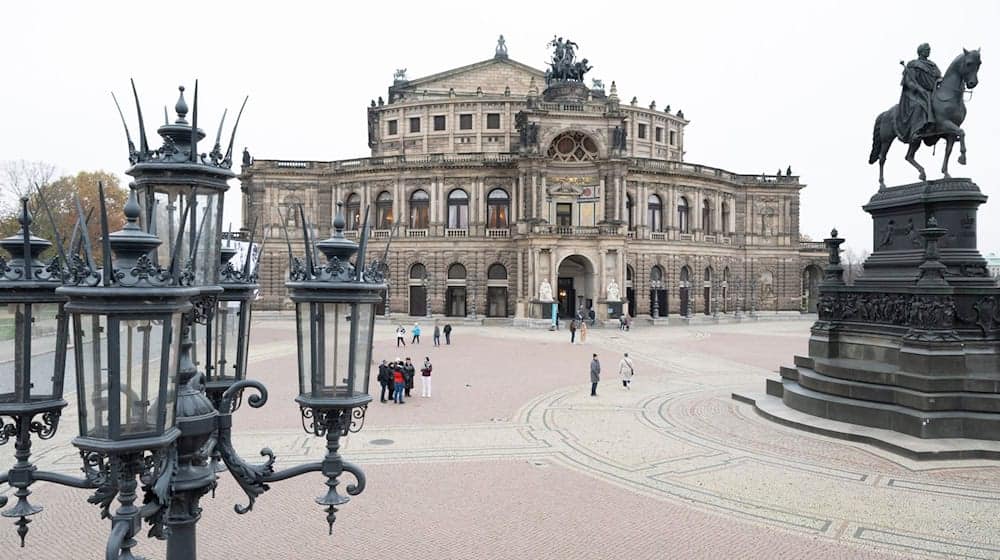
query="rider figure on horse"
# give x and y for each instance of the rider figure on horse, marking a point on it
(915, 117)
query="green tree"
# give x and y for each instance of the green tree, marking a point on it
(61, 202)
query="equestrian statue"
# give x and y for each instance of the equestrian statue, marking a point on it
(930, 108)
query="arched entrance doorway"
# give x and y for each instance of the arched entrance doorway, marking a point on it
(810, 288)
(418, 292)
(496, 290)
(685, 291)
(576, 286)
(455, 295)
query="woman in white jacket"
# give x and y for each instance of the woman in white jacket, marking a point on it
(626, 369)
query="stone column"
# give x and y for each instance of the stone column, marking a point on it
(542, 199)
(534, 211)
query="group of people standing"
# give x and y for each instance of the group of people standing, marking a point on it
(415, 334)
(397, 379)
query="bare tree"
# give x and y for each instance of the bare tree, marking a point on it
(854, 264)
(19, 177)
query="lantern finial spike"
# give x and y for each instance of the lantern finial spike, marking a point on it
(132, 209)
(181, 107)
(105, 237)
(228, 160)
(143, 142)
(25, 220)
(194, 126)
(359, 262)
(55, 230)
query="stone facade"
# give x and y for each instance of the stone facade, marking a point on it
(487, 189)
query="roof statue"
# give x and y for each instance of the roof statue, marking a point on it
(931, 107)
(399, 75)
(564, 66)
(501, 51)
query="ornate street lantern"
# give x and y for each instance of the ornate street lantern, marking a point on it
(33, 333)
(335, 312)
(228, 334)
(126, 337)
(177, 183)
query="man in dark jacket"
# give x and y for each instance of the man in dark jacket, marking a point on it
(595, 375)
(447, 333)
(408, 372)
(385, 380)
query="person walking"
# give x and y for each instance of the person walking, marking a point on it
(583, 332)
(408, 372)
(425, 378)
(437, 335)
(447, 333)
(416, 334)
(400, 336)
(399, 382)
(626, 369)
(385, 380)
(595, 375)
(572, 331)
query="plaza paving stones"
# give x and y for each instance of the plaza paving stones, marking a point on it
(512, 458)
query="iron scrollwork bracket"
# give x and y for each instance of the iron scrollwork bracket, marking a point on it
(250, 477)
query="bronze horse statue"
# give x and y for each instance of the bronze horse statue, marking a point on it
(948, 105)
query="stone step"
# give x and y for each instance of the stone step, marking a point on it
(909, 398)
(870, 371)
(922, 424)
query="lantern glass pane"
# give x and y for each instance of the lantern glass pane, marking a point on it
(305, 335)
(336, 348)
(244, 344)
(92, 376)
(363, 346)
(171, 341)
(47, 351)
(227, 341)
(141, 362)
(201, 229)
(202, 349)
(12, 352)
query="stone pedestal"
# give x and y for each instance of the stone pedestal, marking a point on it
(913, 347)
(611, 309)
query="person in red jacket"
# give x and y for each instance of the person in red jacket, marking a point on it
(399, 382)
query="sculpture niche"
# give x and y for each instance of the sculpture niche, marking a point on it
(930, 108)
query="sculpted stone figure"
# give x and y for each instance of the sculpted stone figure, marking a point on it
(931, 108)
(614, 292)
(920, 79)
(545, 291)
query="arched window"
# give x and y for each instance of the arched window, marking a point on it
(654, 213)
(629, 273)
(418, 272)
(708, 275)
(289, 210)
(725, 218)
(725, 275)
(353, 212)
(685, 276)
(656, 273)
(419, 209)
(706, 216)
(629, 212)
(456, 272)
(573, 146)
(458, 209)
(383, 211)
(497, 209)
(683, 215)
(496, 271)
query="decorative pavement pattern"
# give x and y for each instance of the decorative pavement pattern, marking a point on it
(511, 458)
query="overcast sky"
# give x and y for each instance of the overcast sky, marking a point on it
(765, 84)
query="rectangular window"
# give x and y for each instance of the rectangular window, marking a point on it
(414, 124)
(493, 120)
(673, 138)
(465, 122)
(659, 134)
(642, 130)
(393, 128)
(458, 216)
(564, 214)
(439, 122)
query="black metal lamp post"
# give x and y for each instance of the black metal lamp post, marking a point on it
(33, 334)
(656, 286)
(335, 312)
(126, 336)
